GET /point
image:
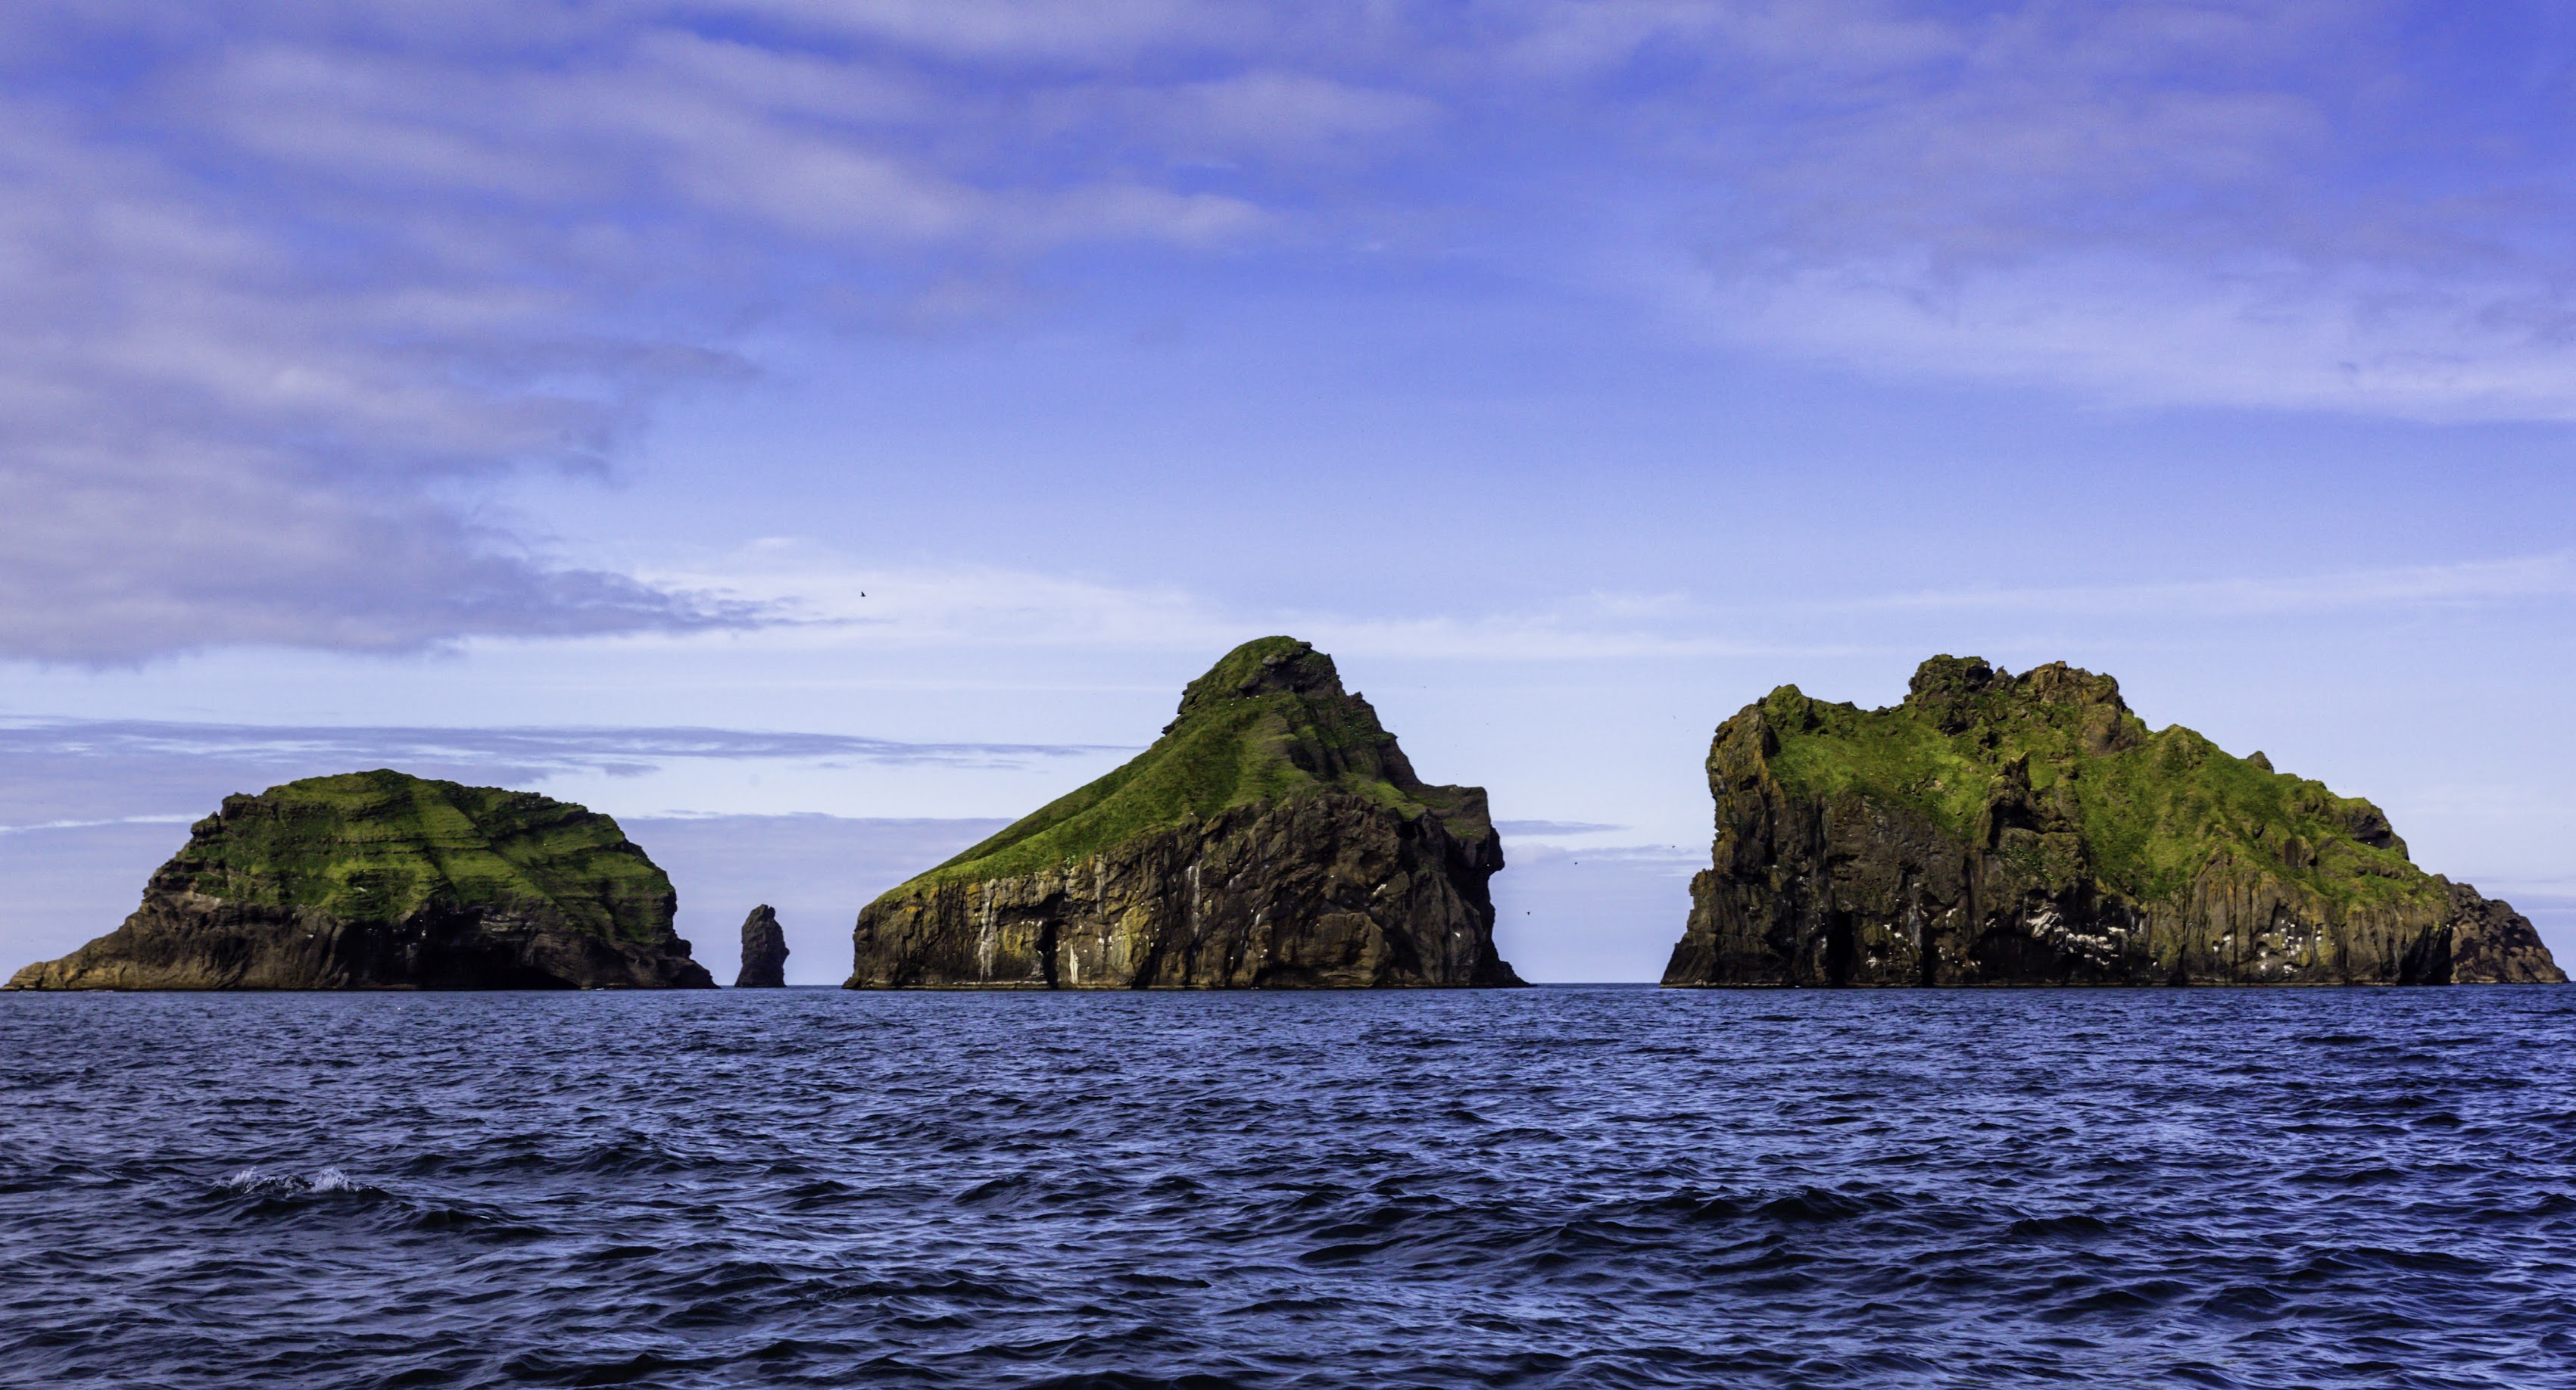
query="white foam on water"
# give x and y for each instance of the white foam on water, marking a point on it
(323, 1180)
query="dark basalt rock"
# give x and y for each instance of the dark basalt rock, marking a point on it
(1274, 837)
(764, 951)
(2000, 829)
(2491, 944)
(377, 880)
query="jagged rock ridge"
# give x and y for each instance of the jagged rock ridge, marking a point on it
(764, 951)
(2001, 829)
(378, 880)
(1274, 837)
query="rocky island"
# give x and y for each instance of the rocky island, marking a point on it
(2000, 829)
(764, 951)
(1274, 837)
(378, 880)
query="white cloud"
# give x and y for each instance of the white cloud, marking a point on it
(2135, 331)
(1045, 30)
(67, 773)
(828, 600)
(1264, 114)
(832, 599)
(284, 280)
(2418, 587)
(308, 276)
(2205, 203)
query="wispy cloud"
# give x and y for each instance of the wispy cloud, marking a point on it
(826, 597)
(291, 285)
(545, 749)
(2284, 205)
(1676, 860)
(288, 288)
(834, 600)
(1551, 828)
(2407, 587)
(95, 824)
(838, 601)
(65, 772)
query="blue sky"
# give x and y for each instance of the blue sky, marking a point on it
(492, 389)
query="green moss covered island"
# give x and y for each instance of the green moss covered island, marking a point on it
(2006, 829)
(384, 880)
(1274, 836)
(1245, 736)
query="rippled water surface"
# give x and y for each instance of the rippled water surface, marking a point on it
(1571, 1187)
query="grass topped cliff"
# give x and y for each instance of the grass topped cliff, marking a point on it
(2056, 750)
(1267, 723)
(379, 846)
(1274, 837)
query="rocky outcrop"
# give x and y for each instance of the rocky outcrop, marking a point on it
(2000, 829)
(764, 951)
(2491, 944)
(378, 880)
(1274, 837)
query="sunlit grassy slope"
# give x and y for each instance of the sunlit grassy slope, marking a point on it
(1268, 722)
(378, 846)
(2151, 807)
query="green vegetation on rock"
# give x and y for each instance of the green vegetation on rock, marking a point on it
(1274, 837)
(379, 880)
(1267, 724)
(2149, 810)
(380, 846)
(1997, 829)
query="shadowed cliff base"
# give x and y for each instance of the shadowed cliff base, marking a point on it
(2017, 830)
(1274, 837)
(378, 880)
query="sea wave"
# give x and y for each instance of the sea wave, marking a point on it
(1525, 1188)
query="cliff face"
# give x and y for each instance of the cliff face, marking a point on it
(377, 880)
(764, 951)
(2000, 829)
(2491, 944)
(1274, 837)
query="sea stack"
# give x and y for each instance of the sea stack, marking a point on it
(378, 880)
(2017, 830)
(1274, 837)
(764, 951)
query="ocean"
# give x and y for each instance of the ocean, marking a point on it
(1545, 1187)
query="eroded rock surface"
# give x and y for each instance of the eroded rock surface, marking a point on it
(378, 880)
(2000, 829)
(764, 951)
(1275, 837)
(2491, 944)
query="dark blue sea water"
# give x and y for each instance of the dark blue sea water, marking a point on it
(1552, 1187)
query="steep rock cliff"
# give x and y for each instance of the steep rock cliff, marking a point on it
(764, 951)
(378, 880)
(2001, 829)
(1274, 837)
